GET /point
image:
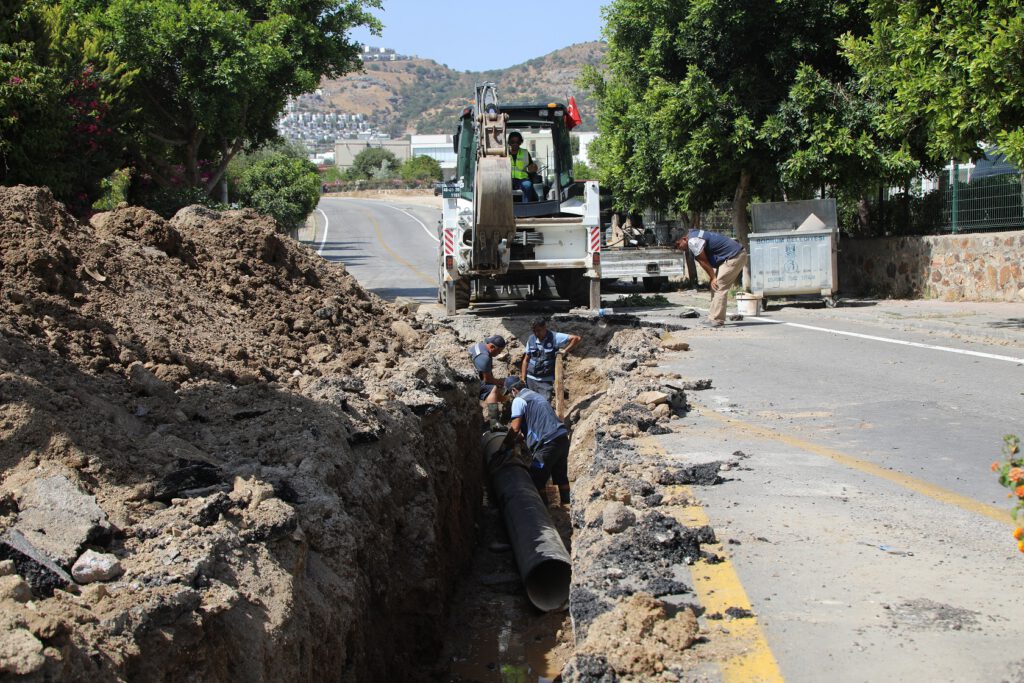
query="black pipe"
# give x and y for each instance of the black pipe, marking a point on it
(541, 557)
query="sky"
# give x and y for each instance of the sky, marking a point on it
(455, 34)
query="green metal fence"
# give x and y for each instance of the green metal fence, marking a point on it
(993, 201)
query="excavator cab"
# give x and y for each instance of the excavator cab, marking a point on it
(545, 136)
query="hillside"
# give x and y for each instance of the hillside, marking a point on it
(421, 96)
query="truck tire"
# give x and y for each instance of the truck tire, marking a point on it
(462, 288)
(572, 285)
(653, 285)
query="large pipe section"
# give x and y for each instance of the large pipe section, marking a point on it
(541, 557)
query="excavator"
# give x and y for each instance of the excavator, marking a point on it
(493, 242)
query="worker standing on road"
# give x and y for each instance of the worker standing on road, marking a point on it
(542, 349)
(723, 259)
(482, 354)
(522, 167)
(547, 437)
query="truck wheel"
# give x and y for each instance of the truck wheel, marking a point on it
(571, 285)
(462, 293)
(653, 285)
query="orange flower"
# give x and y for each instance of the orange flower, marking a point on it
(1018, 533)
(1016, 474)
(1020, 546)
(1019, 491)
(995, 466)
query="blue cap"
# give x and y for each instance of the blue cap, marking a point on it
(497, 340)
(512, 383)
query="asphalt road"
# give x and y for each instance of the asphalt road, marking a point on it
(859, 521)
(391, 248)
(863, 523)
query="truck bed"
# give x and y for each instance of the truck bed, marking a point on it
(642, 262)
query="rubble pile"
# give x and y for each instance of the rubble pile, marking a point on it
(221, 458)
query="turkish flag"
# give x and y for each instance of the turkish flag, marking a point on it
(572, 114)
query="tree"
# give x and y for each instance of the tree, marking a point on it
(281, 186)
(212, 76)
(371, 162)
(952, 70)
(59, 99)
(420, 167)
(687, 105)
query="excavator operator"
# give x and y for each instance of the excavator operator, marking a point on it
(522, 167)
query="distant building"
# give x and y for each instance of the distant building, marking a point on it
(585, 140)
(380, 54)
(439, 147)
(345, 151)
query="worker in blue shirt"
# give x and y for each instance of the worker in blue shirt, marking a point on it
(542, 349)
(723, 259)
(547, 438)
(482, 354)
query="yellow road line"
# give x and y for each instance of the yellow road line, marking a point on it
(718, 588)
(394, 255)
(905, 480)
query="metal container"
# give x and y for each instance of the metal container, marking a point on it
(800, 255)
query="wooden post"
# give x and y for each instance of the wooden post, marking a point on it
(559, 394)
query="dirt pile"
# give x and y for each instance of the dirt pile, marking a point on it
(277, 470)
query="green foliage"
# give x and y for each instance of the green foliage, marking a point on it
(167, 201)
(114, 190)
(211, 76)
(239, 164)
(953, 70)
(60, 101)
(689, 106)
(373, 162)
(420, 168)
(281, 186)
(640, 300)
(582, 171)
(331, 174)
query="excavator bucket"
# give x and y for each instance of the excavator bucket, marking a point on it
(495, 222)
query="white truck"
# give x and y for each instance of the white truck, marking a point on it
(491, 239)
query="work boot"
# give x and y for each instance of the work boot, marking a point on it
(563, 496)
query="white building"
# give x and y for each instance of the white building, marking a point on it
(439, 147)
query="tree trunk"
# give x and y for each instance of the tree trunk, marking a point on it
(863, 216)
(740, 222)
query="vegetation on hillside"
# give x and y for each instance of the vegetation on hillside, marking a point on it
(422, 96)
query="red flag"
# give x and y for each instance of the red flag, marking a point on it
(572, 114)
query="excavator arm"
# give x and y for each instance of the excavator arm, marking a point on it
(494, 224)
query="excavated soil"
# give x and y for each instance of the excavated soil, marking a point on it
(253, 469)
(281, 467)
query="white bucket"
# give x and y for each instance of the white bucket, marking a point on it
(748, 304)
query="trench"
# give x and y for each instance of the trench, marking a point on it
(493, 630)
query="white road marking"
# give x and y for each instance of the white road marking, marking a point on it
(327, 224)
(964, 352)
(422, 224)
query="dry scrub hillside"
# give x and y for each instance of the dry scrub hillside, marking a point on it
(422, 96)
(251, 468)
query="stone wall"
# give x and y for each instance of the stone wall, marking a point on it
(967, 267)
